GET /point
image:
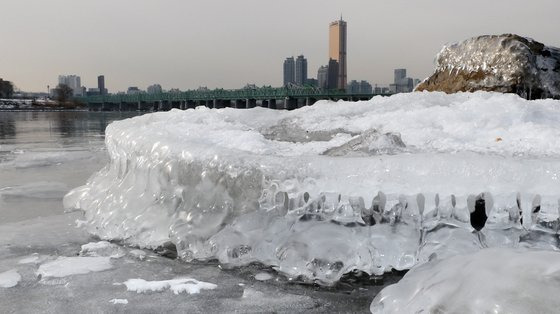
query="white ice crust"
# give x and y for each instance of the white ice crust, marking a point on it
(489, 281)
(293, 189)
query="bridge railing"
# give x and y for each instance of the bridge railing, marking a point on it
(263, 93)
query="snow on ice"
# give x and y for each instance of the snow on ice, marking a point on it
(324, 190)
(9, 279)
(178, 285)
(67, 266)
(488, 281)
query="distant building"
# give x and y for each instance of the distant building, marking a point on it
(93, 92)
(399, 75)
(301, 70)
(362, 87)
(289, 71)
(154, 89)
(133, 90)
(402, 84)
(332, 75)
(322, 76)
(101, 85)
(72, 81)
(337, 50)
(312, 82)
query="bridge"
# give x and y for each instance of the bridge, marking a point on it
(268, 97)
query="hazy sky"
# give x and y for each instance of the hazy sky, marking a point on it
(228, 43)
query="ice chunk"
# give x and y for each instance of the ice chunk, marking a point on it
(263, 276)
(119, 301)
(244, 186)
(67, 266)
(102, 248)
(486, 281)
(9, 279)
(178, 285)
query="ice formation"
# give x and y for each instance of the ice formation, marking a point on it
(488, 281)
(325, 190)
(503, 63)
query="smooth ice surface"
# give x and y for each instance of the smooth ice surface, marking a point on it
(178, 285)
(488, 281)
(324, 190)
(67, 266)
(9, 278)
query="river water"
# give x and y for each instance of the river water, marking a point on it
(45, 154)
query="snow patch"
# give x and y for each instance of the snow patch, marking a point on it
(179, 285)
(67, 266)
(9, 279)
(119, 301)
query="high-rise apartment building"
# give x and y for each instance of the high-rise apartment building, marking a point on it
(400, 74)
(337, 50)
(333, 75)
(72, 81)
(101, 84)
(289, 71)
(301, 70)
(322, 76)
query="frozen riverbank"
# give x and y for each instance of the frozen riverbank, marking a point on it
(42, 155)
(325, 190)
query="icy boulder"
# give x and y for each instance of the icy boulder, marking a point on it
(489, 281)
(506, 63)
(325, 190)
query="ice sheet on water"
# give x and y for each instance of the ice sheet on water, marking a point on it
(490, 280)
(39, 190)
(24, 159)
(258, 185)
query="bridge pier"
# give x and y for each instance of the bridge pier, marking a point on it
(310, 101)
(290, 103)
(251, 103)
(239, 104)
(272, 103)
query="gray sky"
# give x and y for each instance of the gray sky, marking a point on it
(228, 43)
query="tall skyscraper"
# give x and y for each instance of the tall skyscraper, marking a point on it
(337, 50)
(301, 70)
(322, 76)
(289, 71)
(101, 84)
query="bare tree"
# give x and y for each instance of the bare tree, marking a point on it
(6, 89)
(63, 93)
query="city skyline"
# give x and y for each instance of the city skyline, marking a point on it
(191, 44)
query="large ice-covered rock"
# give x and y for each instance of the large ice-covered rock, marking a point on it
(506, 63)
(488, 281)
(324, 190)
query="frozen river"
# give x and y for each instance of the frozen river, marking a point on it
(45, 154)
